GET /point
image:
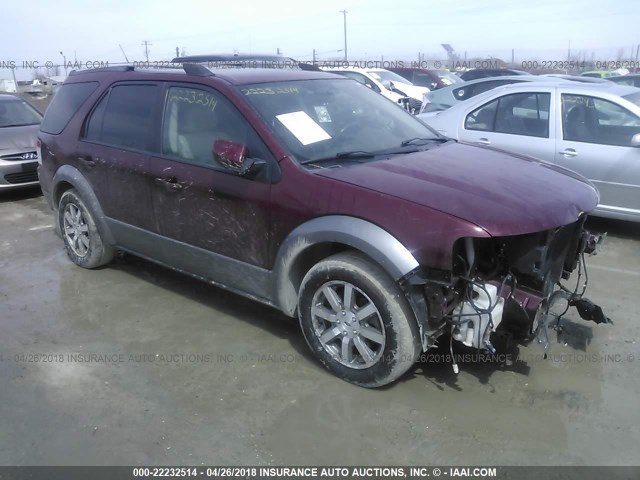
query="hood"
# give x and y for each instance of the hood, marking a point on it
(14, 139)
(412, 91)
(502, 193)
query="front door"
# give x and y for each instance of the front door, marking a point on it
(218, 220)
(595, 141)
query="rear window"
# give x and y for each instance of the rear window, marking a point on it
(65, 104)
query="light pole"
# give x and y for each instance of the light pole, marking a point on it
(64, 59)
(344, 15)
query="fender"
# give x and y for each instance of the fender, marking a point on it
(72, 175)
(359, 234)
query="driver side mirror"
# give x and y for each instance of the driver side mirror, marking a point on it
(635, 140)
(388, 84)
(231, 155)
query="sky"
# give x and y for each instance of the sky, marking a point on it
(39, 30)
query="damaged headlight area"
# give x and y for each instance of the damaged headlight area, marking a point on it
(511, 282)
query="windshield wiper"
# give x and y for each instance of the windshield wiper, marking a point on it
(342, 155)
(356, 154)
(421, 141)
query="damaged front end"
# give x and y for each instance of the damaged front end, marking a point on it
(513, 282)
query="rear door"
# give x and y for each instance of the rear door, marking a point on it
(517, 122)
(117, 138)
(594, 139)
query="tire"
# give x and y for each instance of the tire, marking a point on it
(82, 239)
(389, 334)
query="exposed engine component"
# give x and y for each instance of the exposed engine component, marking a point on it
(513, 282)
(474, 319)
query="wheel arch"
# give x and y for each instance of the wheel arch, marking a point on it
(67, 177)
(321, 237)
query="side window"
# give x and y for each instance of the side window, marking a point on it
(461, 93)
(65, 104)
(194, 119)
(595, 120)
(94, 124)
(124, 117)
(517, 114)
(524, 114)
(482, 118)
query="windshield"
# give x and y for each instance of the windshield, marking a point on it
(633, 98)
(382, 75)
(18, 113)
(320, 119)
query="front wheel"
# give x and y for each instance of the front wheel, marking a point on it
(357, 321)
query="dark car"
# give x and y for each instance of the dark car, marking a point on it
(489, 72)
(432, 79)
(631, 79)
(315, 195)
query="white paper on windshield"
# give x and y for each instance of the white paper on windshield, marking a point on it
(305, 129)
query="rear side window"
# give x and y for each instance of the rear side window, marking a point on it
(124, 117)
(65, 104)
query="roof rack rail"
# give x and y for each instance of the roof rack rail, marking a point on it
(197, 70)
(118, 68)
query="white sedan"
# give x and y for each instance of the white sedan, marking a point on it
(593, 129)
(386, 83)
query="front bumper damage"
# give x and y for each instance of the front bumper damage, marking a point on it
(515, 285)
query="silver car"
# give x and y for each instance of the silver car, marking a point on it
(19, 125)
(447, 97)
(593, 129)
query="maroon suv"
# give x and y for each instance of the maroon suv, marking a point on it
(311, 193)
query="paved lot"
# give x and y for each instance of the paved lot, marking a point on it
(184, 373)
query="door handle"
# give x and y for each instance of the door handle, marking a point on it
(483, 141)
(169, 183)
(88, 161)
(569, 152)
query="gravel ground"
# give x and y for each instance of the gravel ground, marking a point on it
(134, 364)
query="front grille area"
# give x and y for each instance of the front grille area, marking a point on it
(21, 177)
(20, 156)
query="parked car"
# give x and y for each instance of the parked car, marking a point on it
(315, 195)
(599, 74)
(632, 80)
(578, 78)
(239, 60)
(19, 125)
(431, 79)
(389, 84)
(477, 73)
(447, 97)
(591, 129)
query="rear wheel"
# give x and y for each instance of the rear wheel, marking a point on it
(357, 321)
(84, 244)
